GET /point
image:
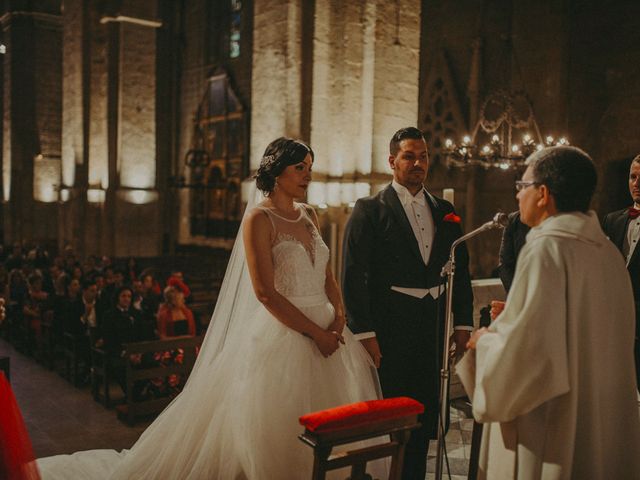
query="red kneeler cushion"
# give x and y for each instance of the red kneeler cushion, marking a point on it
(360, 413)
(16, 454)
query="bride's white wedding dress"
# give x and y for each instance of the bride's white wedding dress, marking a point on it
(239, 419)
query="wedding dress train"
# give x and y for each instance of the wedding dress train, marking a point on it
(239, 420)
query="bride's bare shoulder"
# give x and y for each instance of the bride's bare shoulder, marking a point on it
(257, 219)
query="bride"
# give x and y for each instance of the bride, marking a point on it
(272, 353)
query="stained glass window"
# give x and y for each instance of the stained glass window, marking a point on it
(234, 28)
(220, 132)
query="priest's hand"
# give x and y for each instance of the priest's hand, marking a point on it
(372, 347)
(459, 341)
(496, 308)
(473, 341)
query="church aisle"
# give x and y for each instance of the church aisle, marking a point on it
(60, 417)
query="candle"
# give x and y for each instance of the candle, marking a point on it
(447, 194)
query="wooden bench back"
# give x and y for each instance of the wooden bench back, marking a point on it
(136, 373)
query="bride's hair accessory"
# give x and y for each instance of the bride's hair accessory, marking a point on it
(280, 154)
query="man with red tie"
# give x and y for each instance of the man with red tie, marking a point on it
(623, 228)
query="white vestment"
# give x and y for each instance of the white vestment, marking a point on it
(554, 380)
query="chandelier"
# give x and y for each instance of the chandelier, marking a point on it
(505, 134)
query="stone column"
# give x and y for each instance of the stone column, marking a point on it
(396, 74)
(31, 124)
(276, 73)
(137, 197)
(75, 152)
(110, 125)
(365, 87)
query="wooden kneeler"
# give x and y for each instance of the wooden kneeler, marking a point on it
(395, 417)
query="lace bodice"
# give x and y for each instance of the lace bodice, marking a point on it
(299, 255)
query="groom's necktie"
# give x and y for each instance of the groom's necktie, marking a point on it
(633, 213)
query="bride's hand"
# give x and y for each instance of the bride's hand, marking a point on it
(328, 341)
(338, 324)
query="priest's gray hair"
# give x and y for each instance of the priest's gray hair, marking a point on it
(568, 172)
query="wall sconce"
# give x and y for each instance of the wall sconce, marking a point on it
(65, 194)
(96, 195)
(138, 196)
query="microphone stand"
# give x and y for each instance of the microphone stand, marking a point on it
(499, 221)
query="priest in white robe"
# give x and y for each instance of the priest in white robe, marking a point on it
(553, 377)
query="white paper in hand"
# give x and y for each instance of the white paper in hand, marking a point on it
(466, 371)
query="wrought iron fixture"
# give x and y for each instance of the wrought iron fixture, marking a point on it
(197, 160)
(505, 134)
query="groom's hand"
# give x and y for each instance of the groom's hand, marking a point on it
(372, 347)
(460, 339)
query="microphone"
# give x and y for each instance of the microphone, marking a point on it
(499, 220)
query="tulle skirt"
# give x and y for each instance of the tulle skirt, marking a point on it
(242, 421)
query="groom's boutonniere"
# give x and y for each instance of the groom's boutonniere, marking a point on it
(451, 217)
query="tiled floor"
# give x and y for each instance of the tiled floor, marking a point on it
(458, 449)
(65, 419)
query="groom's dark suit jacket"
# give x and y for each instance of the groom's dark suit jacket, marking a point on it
(381, 251)
(615, 227)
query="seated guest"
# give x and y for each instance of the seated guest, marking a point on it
(59, 302)
(132, 272)
(150, 292)
(177, 280)
(16, 259)
(37, 302)
(90, 267)
(76, 272)
(174, 317)
(74, 290)
(39, 257)
(81, 314)
(114, 279)
(81, 321)
(144, 297)
(124, 324)
(151, 283)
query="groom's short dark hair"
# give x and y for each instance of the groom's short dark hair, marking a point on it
(408, 132)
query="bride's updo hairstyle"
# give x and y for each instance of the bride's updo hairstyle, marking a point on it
(280, 154)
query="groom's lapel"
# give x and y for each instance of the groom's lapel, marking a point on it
(437, 213)
(619, 229)
(391, 199)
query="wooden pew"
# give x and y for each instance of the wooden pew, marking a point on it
(74, 351)
(49, 342)
(102, 365)
(140, 373)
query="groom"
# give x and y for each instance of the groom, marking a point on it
(396, 244)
